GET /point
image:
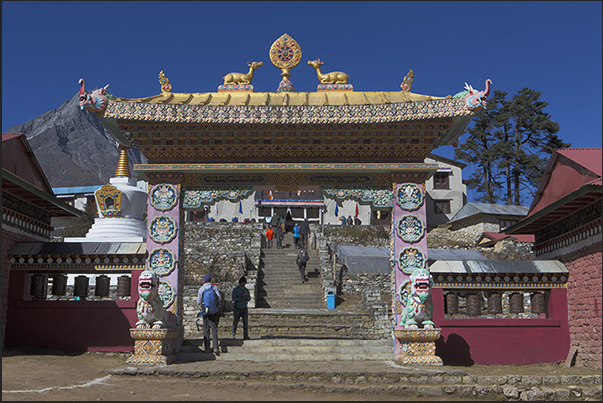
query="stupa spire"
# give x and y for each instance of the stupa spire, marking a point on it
(123, 166)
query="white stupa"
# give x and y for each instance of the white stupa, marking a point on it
(121, 207)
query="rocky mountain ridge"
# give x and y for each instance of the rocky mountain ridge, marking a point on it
(72, 146)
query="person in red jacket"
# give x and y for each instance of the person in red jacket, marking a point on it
(269, 236)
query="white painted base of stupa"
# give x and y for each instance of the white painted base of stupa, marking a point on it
(114, 230)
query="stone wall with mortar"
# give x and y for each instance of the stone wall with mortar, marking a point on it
(224, 249)
(584, 303)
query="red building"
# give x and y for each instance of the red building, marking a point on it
(28, 204)
(566, 218)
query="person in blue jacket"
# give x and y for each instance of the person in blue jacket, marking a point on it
(296, 235)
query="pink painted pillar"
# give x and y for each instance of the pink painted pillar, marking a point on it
(164, 238)
(408, 234)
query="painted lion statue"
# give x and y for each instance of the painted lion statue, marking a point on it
(150, 310)
(415, 299)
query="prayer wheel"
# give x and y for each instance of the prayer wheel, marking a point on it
(38, 283)
(516, 303)
(59, 284)
(123, 286)
(537, 303)
(80, 288)
(452, 303)
(102, 286)
(474, 304)
(494, 303)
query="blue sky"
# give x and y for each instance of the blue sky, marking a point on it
(552, 47)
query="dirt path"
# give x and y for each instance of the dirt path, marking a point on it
(51, 377)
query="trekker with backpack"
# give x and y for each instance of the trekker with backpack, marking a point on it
(209, 299)
(302, 259)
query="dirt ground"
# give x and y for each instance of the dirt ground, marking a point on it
(36, 375)
(54, 376)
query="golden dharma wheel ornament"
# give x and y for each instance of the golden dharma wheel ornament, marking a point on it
(285, 54)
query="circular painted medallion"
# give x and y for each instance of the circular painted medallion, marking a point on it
(285, 53)
(410, 196)
(410, 259)
(161, 261)
(166, 293)
(162, 229)
(164, 197)
(410, 228)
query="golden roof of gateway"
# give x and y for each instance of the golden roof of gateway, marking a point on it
(283, 98)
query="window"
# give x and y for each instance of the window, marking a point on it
(196, 215)
(442, 206)
(440, 180)
(312, 212)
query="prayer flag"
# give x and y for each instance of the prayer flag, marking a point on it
(336, 209)
(356, 216)
(240, 208)
(378, 214)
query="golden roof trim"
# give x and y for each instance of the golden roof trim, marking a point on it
(283, 98)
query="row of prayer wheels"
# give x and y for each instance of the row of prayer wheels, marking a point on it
(473, 304)
(80, 289)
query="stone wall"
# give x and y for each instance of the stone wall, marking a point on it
(473, 227)
(584, 303)
(226, 250)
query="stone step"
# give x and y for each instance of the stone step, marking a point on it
(291, 349)
(277, 304)
(294, 319)
(287, 342)
(296, 357)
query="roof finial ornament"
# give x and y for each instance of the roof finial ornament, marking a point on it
(407, 81)
(475, 99)
(165, 82)
(95, 101)
(285, 54)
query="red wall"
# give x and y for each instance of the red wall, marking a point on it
(9, 238)
(503, 341)
(584, 303)
(70, 325)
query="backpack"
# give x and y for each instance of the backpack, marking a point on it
(303, 257)
(209, 302)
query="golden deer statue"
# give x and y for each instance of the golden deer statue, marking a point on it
(240, 78)
(335, 77)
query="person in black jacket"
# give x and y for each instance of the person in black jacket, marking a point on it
(302, 259)
(304, 232)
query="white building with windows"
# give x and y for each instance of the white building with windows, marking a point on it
(446, 191)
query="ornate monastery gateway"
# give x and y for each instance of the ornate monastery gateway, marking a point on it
(203, 147)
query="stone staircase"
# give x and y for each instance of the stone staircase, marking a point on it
(270, 349)
(290, 321)
(294, 335)
(279, 283)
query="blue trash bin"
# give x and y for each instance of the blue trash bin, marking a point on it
(331, 299)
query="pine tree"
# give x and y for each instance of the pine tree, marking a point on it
(506, 143)
(479, 150)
